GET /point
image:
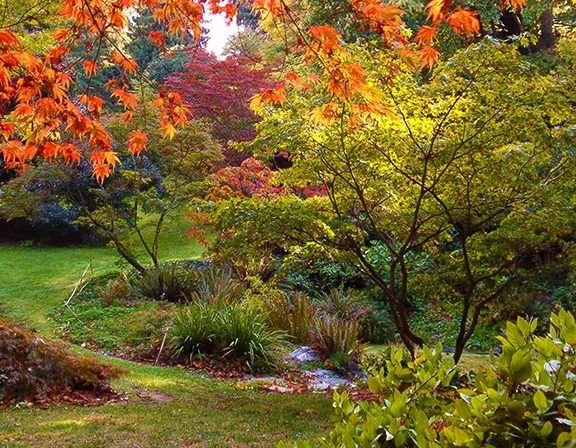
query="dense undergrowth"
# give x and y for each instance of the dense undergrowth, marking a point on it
(190, 310)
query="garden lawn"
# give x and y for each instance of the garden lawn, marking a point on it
(35, 279)
(169, 407)
(166, 406)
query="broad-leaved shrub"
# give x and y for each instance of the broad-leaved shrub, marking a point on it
(527, 399)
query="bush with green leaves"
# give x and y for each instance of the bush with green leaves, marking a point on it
(527, 399)
(226, 330)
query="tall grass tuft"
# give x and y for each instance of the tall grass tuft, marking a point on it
(194, 330)
(248, 338)
(293, 314)
(166, 282)
(333, 335)
(228, 331)
(215, 284)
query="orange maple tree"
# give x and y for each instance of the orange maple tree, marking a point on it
(39, 116)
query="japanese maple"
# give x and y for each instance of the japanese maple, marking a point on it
(40, 117)
(220, 91)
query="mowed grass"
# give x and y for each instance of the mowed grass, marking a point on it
(166, 407)
(35, 279)
(169, 407)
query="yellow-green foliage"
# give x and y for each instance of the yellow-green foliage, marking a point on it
(527, 399)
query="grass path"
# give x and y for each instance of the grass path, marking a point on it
(167, 407)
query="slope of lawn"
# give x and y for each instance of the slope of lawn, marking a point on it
(166, 406)
(34, 279)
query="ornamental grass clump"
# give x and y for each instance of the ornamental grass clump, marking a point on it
(246, 337)
(528, 398)
(216, 285)
(167, 282)
(227, 331)
(294, 314)
(194, 330)
(333, 336)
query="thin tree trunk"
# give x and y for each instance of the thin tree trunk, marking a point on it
(546, 39)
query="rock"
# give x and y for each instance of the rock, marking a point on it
(323, 379)
(304, 354)
(448, 350)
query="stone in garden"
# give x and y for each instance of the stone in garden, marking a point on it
(304, 354)
(322, 379)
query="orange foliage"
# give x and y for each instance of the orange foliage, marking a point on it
(464, 22)
(514, 4)
(429, 56)
(37, 109)
(269, 96)
(268, 7)
(437, 10)
(426, 35)
(137, 142)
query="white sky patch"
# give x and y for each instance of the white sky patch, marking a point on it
(219, 32)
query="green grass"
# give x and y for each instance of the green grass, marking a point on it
(185, 409)
(35, 279)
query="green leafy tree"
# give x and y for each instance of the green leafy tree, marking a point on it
(132, 208)
(447, 197)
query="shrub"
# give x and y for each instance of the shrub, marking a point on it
(376, 326)
(380, 359)
(332, 335)
(527, 399)
(307, 273)
(32, 368)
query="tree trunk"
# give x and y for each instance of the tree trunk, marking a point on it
(546, 39)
